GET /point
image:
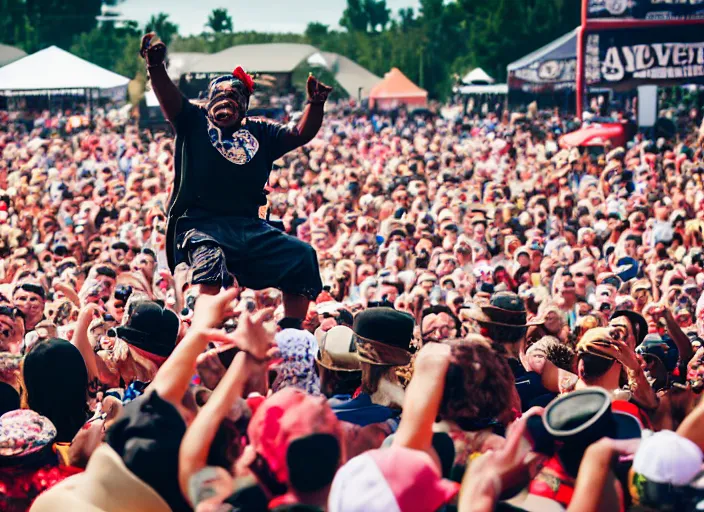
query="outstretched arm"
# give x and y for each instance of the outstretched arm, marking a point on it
(170, 98)
(308, 126)
(679, 337)
(312, 118)
(423, 397)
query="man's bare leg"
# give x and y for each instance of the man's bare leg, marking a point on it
(206, 289)
(295, 306)
(295, 311)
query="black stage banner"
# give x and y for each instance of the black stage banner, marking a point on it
(639, 56)
(552, 74)
(645, 9)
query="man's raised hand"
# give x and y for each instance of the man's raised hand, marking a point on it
(153, 53)
(318, 92)
(212, 310)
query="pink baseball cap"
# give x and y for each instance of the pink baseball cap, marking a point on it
(390, 480)
(284, 417)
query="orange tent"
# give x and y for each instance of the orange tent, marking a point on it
(397, 90)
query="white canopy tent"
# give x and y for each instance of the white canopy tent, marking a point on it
(478, 83)
(53, 71)
(151, 99)
(482, 89)
(477, 77)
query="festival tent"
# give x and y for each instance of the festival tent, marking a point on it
(478, 82)
(180, 63)
(274, 58)
(10, 54)
(477, 77)
(354, 79)
(550, 68)
(500, 89)
(277, 60)
(397, 90)
(55, 71)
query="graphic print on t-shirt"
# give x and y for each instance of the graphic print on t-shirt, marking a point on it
(239, 149)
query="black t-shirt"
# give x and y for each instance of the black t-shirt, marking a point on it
(529, 386)
(218, 185)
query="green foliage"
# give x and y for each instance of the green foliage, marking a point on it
(316, 32)
(218, 42)
(114, 48)
(300, 77)
(378, 15)
(406, 19)
(219, 21)
(501, 31)
(36, 24)
(57, 21)
(165, 29)
(354, 18)
(365, 15)
(441, 39)
(15, 26)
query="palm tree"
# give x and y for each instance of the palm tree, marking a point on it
(219, 21)
(165, 29)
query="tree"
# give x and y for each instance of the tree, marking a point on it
(316, 32)
(111, 47)
(377, 14)
(354, 18)
(429, 45)
(57, 22)
(219, 21)
(497, 30)
(15, 27)
(165, 29)
(406, 18)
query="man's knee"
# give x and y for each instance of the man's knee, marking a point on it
(208, 266)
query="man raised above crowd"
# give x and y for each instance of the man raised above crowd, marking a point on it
(222, 163)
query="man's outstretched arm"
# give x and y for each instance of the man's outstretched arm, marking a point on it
(312, 118)
(170, 98)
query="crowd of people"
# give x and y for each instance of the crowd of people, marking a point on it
(505, 324)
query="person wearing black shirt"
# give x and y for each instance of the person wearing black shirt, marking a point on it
(222, 163)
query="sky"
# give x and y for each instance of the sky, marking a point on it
(258, 15)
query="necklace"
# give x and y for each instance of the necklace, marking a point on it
(239, 148)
